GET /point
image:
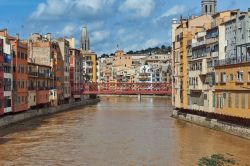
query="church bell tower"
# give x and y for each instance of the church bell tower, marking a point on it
(209, 6)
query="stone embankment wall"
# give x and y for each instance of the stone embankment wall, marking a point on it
(11, 119)
(214, 124)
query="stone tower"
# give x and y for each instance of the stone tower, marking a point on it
(209, 6)
(84, 41)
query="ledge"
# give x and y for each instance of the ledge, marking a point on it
(233, 129)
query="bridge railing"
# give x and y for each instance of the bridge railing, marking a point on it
(127, 88)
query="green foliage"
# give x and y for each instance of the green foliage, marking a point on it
(158, 50)
(216, 160)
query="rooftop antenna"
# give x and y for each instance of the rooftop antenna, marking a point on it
(22, 30)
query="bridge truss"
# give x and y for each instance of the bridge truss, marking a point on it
(127, 88)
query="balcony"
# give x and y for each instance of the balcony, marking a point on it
(144, 74)
(212, 40)
(195, 87)
(43, 75)
(33, 73)
(197, 44)
(7, 58)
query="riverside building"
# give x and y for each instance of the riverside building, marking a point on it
(1, 78)
(211, 66)
(7, 73)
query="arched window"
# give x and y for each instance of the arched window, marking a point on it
(206, 8)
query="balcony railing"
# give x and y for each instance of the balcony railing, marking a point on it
(198, 44)
(229, 61)
(32, 73)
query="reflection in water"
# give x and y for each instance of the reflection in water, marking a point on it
(117, 131)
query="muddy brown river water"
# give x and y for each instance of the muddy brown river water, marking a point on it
(118, 131)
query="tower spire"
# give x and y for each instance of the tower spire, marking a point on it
(84, 41)
(209, 6)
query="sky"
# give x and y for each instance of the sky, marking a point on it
(130, 24)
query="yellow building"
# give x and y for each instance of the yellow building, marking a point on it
(232, 89)
(89, 66)
(183, 33)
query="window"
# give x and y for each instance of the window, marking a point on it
(231, 77)
(236, 100)
(239, 77)
(249, 76)
(223, 77)
(248, 101)
(243, 101)
(224, 99)
(229, 100)
(217, 101)
(7, 84)
(214, 101)
(22, 55)
(7, 102)
(14, 54)
(216, 78)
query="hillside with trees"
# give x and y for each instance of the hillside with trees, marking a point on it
(155, 50)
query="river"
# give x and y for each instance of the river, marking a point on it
(118, 131)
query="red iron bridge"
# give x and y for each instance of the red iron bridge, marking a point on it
(127, 88)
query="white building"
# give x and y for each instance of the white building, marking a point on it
(149, 74)
(8, 76)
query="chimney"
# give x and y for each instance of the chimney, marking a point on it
(49, 36)
(5, 32)
(17, 36)
(174, 21)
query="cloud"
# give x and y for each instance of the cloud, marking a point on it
(99, 36)
(178, 9)
(69, 30)
(68, 9)
(95, 25)
(151, 43)
(165, 18)
(141, 8)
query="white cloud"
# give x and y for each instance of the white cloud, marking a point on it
(178, 9)
(69, 30)
(151, 43)
(93, 4)
(142, 8)
(60, 9)
(99, 36)
(95, 25)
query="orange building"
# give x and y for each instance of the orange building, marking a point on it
(45, 51)
(76, 76)
(1, 78)
(20, 75)
(58, 69)
(40, 82)
(121, 60)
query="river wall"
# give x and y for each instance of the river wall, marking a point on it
(213, 124)
(15, 118)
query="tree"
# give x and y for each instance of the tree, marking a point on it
(130, 52)
(163, 47)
